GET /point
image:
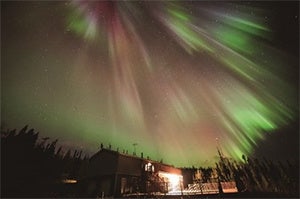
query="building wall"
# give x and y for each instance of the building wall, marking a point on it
(117, 174)
(188, 176)
(129, 166)
(101, 186)
(165, 168)
(127, 184)
(103, 163)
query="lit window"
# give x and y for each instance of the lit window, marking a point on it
(149, 167)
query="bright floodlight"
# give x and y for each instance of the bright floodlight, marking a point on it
(174, 181)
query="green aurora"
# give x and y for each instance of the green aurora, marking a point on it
(178, 78)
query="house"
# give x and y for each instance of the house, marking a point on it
(112, 173)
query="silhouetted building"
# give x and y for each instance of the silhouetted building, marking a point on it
(112, 173)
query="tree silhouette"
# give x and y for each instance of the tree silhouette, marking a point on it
(33, 169)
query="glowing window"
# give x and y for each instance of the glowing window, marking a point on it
(149, 167)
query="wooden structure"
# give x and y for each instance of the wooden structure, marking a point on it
(112, 173)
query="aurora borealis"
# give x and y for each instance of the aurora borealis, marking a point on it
(178, 78)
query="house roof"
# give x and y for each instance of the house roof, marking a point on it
(118, 154)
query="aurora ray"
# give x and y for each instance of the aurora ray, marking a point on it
(171, 76)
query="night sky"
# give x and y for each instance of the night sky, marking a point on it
(177, 78)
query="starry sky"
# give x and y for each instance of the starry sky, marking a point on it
(178, 78)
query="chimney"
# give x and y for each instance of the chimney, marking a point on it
(142, 155)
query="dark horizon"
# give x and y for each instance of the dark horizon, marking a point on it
(32, 168)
